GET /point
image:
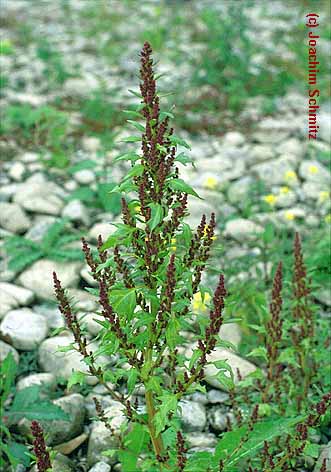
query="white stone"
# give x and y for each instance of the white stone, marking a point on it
(62, 364)
(84, 176)
(59, 431)
(80, 87)
(100, 467)
(40, 197)
(91, 143)
(193, 415)
(76, 211)
(242, 229)
(274, 172)
(23, 296)
(234, 138)
(24, 328)
(239, 190)
(16, 171)
(314, 171)
(5, 349)
(42, 380)
(105, 229)
(7, 302)
(101, 438)
(13, 218)
(29, 157)
(39, 276)
(230, 332)
(324, 122)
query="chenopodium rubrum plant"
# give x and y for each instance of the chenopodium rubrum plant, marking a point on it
(145, 290)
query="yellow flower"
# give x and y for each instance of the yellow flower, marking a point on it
(290, 175)
(313, 169)
(289, 215)
(210, 183)
(173, 242)
(198, 304)
(284, 189)
(271, 199)
(323, 196)
(205, 233)
(137, 208)
(327, 219)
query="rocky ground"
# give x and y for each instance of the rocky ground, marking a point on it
(291, 178)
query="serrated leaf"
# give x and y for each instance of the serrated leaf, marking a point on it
(184, 159)
(260, 351)
(195, 356)
(23, 259)
(227, 448)
(136, 94)
(76, 378)
(172, 331)
(168, 404)
(123, 301)
(178, 185)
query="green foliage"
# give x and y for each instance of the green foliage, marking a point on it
(54, 71)
(146, 288)
(27, 403)
(54, 245)
(44, 128)
(102, 197)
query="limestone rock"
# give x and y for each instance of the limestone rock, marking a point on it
(5, 349)
(24, 328)
(242, 229)
(38, 277)
(13, 218)
(193, 415)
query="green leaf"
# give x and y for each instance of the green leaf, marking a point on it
(85, 194)
(8, 370)
(168, 404)
(199, 461)
(136, 94)
(137, 125)
(172, 331)
(184, 159)
(175, 140)
(22, 259)
(110, 201)
(27, 404)
(195, 356)
(131, 139)
(231, 451)
(132, 379)
(20, 452)
(128, 156)
(178, 185)
(156, 215)
(124, 301)
(260, 351)
(312, 450)
(76, 378)
(86, 164)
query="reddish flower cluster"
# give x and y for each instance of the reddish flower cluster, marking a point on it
(181, 452)
(42, 456)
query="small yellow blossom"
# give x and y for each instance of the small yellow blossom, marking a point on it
(324, 196)
(289, 215)
(271, 199)
(284, 190)
(173, 242)
(210, 183)
(327, 219)
(205, 233)
(198, 304)
(290, 175)
(313, 169)
(137, 208)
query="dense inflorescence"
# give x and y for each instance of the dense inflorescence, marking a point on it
(42, 456)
